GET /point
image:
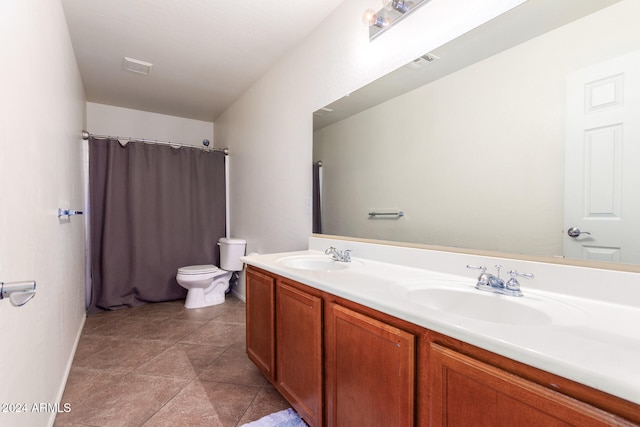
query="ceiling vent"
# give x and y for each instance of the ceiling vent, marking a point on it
(423, 60)
(137, 66)
(323, 111)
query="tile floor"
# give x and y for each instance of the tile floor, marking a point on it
(163, 365)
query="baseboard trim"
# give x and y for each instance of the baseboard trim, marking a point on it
(52, 419)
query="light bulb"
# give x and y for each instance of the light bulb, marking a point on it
(368, 17)
(371, 18)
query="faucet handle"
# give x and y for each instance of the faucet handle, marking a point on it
(515, 273)
(483, 278)
(513, 284)
(346, 255)
(335, 253)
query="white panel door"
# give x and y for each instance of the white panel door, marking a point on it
(602, 163)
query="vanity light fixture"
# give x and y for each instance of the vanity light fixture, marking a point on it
(375, 20)
(392, 12)
(400, 5)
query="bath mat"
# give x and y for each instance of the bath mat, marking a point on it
(286, 418)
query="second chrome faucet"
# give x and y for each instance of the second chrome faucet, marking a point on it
(493, 283)
(338, 255)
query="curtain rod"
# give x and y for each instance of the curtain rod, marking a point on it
(86, 135)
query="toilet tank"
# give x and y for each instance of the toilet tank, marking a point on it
(230, 252)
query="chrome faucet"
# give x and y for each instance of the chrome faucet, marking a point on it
(338, 255)
(489, 282)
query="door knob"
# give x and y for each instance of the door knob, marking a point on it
(575, 232)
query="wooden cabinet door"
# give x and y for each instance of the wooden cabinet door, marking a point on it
(299, 351)
(370, 371)
(261, 321)
(466, 391)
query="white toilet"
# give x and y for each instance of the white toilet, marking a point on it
(207, 284)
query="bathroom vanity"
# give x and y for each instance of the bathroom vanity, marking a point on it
(390, 344)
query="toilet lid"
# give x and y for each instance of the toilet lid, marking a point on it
(198, 269)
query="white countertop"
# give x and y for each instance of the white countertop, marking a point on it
(593, 342)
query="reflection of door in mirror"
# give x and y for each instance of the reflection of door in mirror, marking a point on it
(603, 161)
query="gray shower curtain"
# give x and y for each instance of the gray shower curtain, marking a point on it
(153, 209)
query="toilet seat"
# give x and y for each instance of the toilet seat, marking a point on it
(198, 269)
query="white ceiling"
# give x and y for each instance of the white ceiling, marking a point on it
(205, 53)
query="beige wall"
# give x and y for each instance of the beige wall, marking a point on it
(476, 159)
(125, 122)
(269, 129)
(42, 114)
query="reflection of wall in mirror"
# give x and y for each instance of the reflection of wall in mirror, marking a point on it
(475, 159)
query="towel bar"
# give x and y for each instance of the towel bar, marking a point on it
(396, 214)
(68, 212)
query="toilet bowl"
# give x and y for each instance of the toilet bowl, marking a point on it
(207, 284)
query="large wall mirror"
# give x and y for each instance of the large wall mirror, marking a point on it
(500, 140)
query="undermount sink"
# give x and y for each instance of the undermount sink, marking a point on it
(313, 262)
(462, 299)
